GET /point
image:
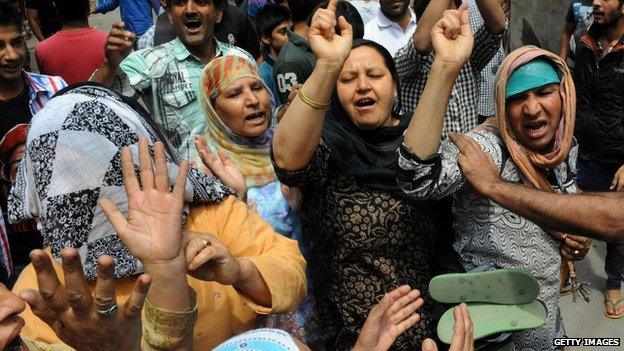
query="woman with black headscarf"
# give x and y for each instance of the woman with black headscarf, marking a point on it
(366, 236)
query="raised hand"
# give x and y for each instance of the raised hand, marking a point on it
(463, 338)
(80, 319)
(478, 168)
(451, 37)
(221, 167)
(153, 230)
(389, 319)
(324, 42)
(119, 44)
(208, 259)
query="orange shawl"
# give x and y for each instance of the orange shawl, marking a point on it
(531, 163)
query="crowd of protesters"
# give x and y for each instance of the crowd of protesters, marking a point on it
(291, 175)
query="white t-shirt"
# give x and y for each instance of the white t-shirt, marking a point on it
(388, 33)
(367, 9)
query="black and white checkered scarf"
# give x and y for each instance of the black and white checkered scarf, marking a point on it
(72, 160)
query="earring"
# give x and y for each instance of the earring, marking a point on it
(397, 109)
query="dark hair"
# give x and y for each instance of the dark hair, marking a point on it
(9, 17)
(300, 10)
(389, 61)
(350, 13)
(220, 5)
(270, 17)
(72, 10)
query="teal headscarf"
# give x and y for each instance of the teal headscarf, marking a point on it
(534, 74)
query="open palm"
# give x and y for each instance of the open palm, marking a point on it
(221, 166)
(390, 318)
(153, 230)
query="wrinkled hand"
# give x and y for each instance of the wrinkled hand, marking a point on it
(208, 259)
(72, 311)
(324, 42)
(478, 168)
(617, 184)
(153, 230)
(10, 323)
(451, 37)
(119, 44)
(575, 247)
(463, 338)
(389, 319)
(222, 167)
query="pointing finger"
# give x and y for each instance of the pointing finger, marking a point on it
(332, 5)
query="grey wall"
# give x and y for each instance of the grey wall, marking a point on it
(537, 21)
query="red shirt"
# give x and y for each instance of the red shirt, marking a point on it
(72, 54)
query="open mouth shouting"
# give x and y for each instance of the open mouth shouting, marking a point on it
(365, 104)
(535, 129)
(193, 25)
(256, 117)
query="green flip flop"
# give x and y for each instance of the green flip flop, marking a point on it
(502, 286)
(614, 305)
(490, 319)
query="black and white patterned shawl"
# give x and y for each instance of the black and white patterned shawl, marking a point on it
(72, 160)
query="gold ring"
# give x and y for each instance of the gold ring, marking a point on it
(206, 242)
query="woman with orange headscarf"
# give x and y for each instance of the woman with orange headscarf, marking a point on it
(530, 141)
(238, 107)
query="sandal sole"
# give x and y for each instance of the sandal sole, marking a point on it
(501, 286)
(490, 319)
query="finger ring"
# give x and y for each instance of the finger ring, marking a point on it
(109, 311)
(576, 252)
(206, 242)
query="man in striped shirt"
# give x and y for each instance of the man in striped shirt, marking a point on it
(22, 95)
(167, 77)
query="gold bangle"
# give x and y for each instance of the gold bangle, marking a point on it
(314, 104)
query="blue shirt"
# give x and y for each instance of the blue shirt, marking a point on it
(265, 70)
(136, 14)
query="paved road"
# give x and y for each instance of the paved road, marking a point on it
(580, 320)
(583, 320)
